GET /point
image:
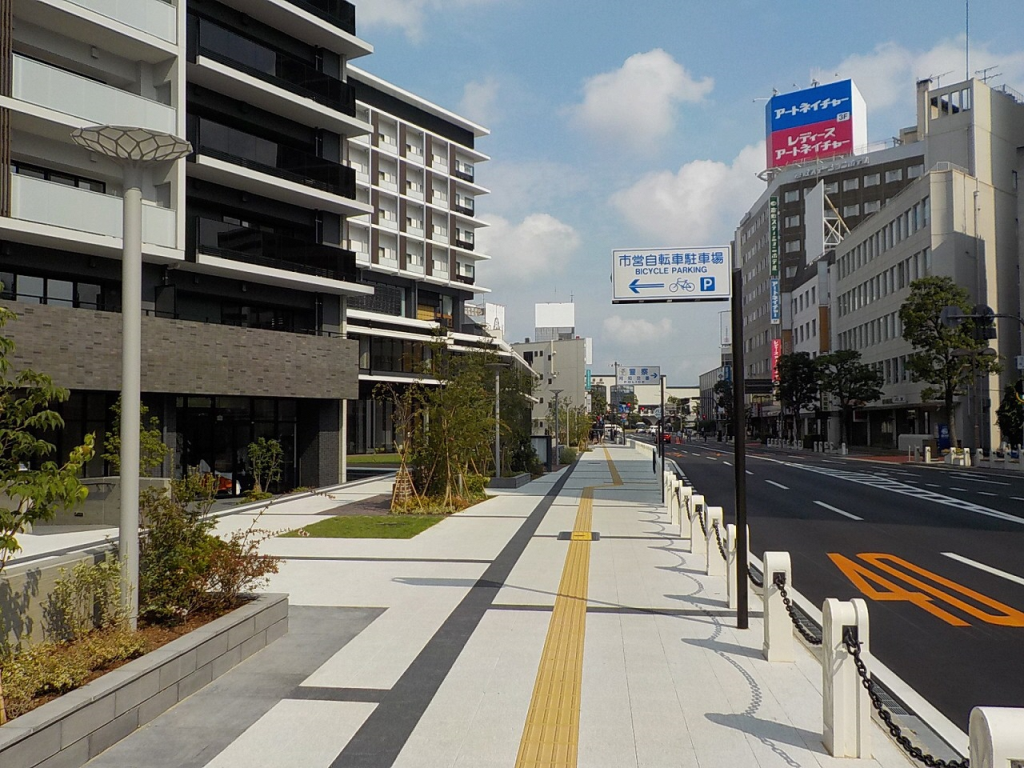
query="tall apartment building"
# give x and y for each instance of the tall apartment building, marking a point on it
(416, 169)
(245, 273)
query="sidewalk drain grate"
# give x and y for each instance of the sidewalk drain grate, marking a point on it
(579, 536)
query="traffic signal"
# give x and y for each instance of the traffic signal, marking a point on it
(984, 327)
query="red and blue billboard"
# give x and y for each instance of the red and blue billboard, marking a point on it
(815, 123)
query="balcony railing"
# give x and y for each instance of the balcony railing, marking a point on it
(467, 279)
(464, 244)
(153, 16)
(463, 208)
(461, 172)
(213, 41)
(54, 88)
(267, 249)
(339, 13)
(239, 148)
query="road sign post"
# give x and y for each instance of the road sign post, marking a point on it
(739, 445)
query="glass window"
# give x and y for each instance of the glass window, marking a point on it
(30, 289)
(872, 179)
(894, 175)
(60, 292)
(849, 184)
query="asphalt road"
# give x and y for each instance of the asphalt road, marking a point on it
(938, 553)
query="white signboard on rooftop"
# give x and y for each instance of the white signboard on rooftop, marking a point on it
(672, 274)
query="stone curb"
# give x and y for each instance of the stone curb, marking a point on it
(69, 731)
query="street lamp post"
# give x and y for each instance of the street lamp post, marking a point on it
(556, 393)
(133, 148)
(496, 367)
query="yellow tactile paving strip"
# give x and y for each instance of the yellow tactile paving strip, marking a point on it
(551, 736)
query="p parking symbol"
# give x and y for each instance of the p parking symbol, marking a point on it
(707, 283)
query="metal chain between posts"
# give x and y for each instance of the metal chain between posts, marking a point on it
(780, 582)
(703, 529)
(721, 549)
(853, 648)
(753, 578)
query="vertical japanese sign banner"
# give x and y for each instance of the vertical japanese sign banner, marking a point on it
(773, 235)
(776, 354)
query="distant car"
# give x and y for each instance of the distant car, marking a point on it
(666, 437)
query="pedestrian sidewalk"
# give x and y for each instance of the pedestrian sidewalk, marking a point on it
(564, 623)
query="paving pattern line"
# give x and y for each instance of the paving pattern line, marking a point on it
(551, 735)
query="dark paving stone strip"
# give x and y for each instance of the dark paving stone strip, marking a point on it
(198, 729)
(382, 737)
(317, 693)
(627, 610)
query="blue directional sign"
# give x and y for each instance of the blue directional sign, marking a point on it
(672, 274)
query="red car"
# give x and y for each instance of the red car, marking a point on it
(666, 437)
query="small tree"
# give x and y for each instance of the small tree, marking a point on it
(798, 384)
(32, 487)
(266, 457)
(850, 382)
(947, 358)
(152, 449)
(1010, 416)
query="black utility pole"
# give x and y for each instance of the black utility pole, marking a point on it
(661, 438)
(739, 420)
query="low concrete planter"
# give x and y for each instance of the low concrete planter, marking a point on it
(73, 729)
(516, 481)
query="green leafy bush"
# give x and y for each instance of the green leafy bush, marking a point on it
(183, 566)
(566, 455)
(87, 598)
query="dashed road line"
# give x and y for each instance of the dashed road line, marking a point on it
(839, 511)
(983, 567)
(778, 485)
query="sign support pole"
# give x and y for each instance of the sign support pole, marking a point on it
(739, 420)
(661, 437)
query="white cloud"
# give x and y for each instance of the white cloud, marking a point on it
(700, 203)
(886, 76)
(536, 248)
(408, 15)
(629, 331)
(480, 101)
(637, 104)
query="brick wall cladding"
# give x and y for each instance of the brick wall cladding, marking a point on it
(81, 349)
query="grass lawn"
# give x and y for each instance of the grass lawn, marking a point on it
(369, 527)
(374, 458)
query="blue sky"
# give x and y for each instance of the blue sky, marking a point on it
(641, 124)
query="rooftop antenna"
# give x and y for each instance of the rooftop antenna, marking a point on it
(938, 78)
(985, 76)
(967, 41)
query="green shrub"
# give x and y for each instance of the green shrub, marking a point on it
(183, 566)
(566, 455)
(87, 598)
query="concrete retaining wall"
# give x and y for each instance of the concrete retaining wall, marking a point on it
(73, 729)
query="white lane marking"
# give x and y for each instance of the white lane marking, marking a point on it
(986, 493)
(777, 485)
(749, 472)
(727, 463)
(977, 479)
(983, 567)
(893, 486)
(837, 510)
(961, 490)
(933, 485)
(1017, 498)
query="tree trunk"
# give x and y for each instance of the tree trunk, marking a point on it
(950, 418)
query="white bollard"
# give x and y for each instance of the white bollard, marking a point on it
(843, 451)
(685, 508)
(979, 457)
(698, 513)
(997, 737)
(927, 454)
(778, 627)
(846, 706)
(731, 591)
(715, 565)
(967, 457)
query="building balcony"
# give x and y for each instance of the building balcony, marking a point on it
(338, 13)
(465, 279)
(464, 209)
(461, 242)
(153, 17)
(266, 249)
(89, 101)
(217, 43)
(83, 211)
(464, 172)
(238, 148)
(329, 24)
